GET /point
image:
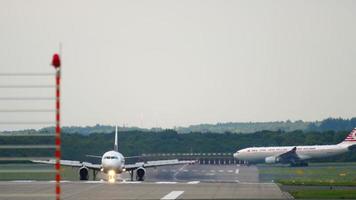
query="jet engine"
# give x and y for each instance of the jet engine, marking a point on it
(140, 174)
(352, 147)
(83, 173)
(271, 160)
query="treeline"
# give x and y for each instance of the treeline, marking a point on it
(333, 124)
(76, 146)
(330, 124)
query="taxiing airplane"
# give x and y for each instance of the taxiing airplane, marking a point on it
(295, 155)
(113, 163)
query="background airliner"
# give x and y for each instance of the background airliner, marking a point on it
(295, 155)
(113, 163)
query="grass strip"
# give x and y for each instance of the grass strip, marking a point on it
(324, 194)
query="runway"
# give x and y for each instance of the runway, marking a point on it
(96, 190)
(179, 182)
(205, 173)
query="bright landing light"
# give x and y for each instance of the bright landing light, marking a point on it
(111, 176)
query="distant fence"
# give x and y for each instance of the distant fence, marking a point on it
(201, 158)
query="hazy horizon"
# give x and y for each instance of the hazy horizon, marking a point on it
(179, 63)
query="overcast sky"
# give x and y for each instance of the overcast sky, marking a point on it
(175, 63)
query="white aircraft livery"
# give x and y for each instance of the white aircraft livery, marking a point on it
(295, 155)
(113, 163)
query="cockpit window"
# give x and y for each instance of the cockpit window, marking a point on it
(111, 157)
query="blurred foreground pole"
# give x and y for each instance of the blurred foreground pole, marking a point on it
(56, 63)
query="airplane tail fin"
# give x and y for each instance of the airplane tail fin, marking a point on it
(350, 139)
(116, 147)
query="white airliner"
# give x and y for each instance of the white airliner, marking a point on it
(295, 155)
(113, 163)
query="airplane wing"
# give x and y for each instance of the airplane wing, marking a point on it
(289, 156)
(93, 156)
(126, 157)
(70, 163)
(157, 163)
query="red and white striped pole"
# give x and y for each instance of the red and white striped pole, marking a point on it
(56, 62)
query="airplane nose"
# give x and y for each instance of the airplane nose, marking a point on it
(236, 154)
(112, 164)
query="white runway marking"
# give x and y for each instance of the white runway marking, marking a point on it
(185, 170)
(193, 182)
(237, 171)
(63, 181)
(93, 182)
(172, 195)
(131, 182)
(221, 170)
(178, 171)
(165, 182)
(23, 181)
(212, 170)
(230, 171)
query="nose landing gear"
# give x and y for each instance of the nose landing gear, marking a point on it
(111, 176)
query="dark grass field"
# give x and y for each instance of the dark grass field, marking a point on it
(324, 194)
(31, 171)
(342, 174)
(317, 181)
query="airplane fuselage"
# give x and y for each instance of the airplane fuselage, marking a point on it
(259, 154)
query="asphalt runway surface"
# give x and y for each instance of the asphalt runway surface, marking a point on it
(204, 173)
(176, 182)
